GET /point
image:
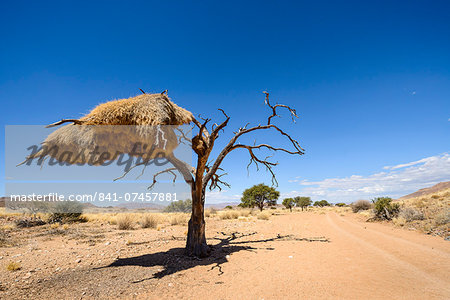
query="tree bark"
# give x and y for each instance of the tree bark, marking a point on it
(196, 239)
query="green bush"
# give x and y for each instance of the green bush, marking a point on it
(179, 206)
(385, 209)
(340, 204)
(361, 205)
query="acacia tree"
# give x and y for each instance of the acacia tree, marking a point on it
(321, 203)
(303, 202)
(288, 203)
(259, 194)
(205, 174)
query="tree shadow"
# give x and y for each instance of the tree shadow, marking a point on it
(174, 260)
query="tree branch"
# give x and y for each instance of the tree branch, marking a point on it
(298, 150)
(182, 167)
(215, 181)
(274, 109)
(169, 170)
(74, 121)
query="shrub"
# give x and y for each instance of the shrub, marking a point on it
(13, 266)
(228, 207)
(125, 222)
(25, 223)
(179, 206)
(410, 214)
(340, 204)
(442, 218)
(385, 209)
(149, 221)
(66, 212)
(360, 205)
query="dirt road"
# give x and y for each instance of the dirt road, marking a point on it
(300, 255)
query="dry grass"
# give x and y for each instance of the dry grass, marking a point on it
(110, 218)
(442, 218)
(399, 221)
(125, 222)
(233, 214)
(145, 220)
(428, 213)
(210, 212)
(13, 266)
(178, 218)
(149, 221)
(264, 215)
(366, 213)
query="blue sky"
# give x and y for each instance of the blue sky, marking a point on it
(370, 81)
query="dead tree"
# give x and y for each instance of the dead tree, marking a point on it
(205, 175)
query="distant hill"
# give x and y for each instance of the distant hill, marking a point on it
(427, 191)
(140, 205)
(3, 200)
(221, 205)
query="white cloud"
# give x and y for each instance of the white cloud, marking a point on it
(290, 194)
(397, 181)
(424, 160)
(218, 196)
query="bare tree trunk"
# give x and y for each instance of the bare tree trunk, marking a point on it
(196, 239)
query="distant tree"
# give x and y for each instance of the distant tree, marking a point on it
(179, 206)
(289, 203)
(258, 195)
(340, 204)
(228, 207)
(303, 202)
(321, 203)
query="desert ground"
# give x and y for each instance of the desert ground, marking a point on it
(322, 253)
